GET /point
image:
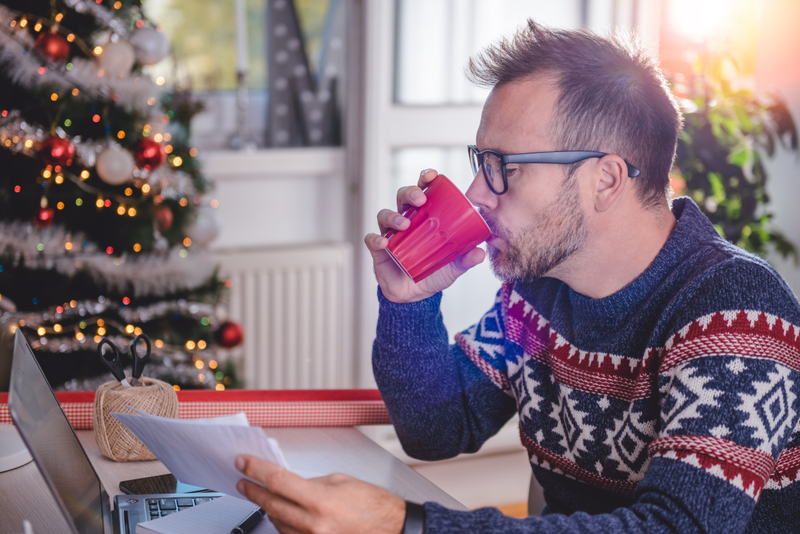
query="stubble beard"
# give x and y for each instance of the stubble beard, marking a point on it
(544, 245)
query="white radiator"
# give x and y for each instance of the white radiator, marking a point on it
(296, 308)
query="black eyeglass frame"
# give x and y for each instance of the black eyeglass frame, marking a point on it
(567, 157)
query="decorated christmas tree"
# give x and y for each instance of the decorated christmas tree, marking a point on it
(104, 213)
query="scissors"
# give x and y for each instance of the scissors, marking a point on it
(139, 361)
(112, 361)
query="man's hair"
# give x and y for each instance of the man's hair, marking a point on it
(612, 96)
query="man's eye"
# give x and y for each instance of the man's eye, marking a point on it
(511, 170)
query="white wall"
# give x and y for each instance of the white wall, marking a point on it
(279, 196)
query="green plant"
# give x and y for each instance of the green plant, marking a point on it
(727, 132)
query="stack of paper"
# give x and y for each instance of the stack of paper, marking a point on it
(202, 452)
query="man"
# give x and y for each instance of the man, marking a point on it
(655, 367)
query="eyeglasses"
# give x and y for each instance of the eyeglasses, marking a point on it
(493, 164)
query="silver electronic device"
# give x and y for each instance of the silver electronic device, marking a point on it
(63, 463)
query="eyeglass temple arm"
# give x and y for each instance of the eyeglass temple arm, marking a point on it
(573, 156)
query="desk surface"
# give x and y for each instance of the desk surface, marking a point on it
(24, 495)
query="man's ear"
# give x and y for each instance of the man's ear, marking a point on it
(611, 181)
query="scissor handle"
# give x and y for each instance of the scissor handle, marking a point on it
(113, 363)
(139, 361)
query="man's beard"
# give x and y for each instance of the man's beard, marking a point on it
(556, 235)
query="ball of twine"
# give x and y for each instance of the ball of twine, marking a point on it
(113, 439)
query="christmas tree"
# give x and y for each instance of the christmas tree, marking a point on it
(104, 213)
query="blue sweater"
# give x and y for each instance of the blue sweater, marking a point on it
(670, 406)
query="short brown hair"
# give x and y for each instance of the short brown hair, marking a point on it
(613, 96)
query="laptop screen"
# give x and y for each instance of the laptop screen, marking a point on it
(52, 442)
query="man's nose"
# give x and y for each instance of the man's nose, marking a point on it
(479, 193)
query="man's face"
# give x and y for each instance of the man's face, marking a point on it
(539, 223)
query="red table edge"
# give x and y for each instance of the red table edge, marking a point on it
(243, 395)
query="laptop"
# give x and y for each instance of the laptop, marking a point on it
(64, 465)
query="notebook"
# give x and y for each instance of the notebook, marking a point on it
(63, 463)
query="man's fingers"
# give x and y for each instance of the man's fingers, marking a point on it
(391, 220)
(426, 177)
(471, 259)
(280, 511)
(278, 480)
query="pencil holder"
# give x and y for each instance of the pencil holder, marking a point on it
(114, 440)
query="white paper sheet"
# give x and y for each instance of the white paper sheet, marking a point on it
(214, 517)
(202, 452)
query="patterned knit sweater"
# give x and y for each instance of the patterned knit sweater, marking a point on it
(669, 406)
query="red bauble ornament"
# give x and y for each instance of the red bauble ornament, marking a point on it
(52, 46)
(43, 217)
(229, 335)
(149, 154)
(164, 216)
(56, 151)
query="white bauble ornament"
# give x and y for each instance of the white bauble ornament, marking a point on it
(151, 45)
(117, 59)
(115, 165)
(206, 227)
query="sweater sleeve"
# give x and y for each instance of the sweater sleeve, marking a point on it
(440, 403)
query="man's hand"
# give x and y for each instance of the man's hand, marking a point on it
(395, 284)
(334, 504)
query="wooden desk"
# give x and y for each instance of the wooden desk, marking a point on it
(24, 495)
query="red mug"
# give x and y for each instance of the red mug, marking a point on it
(446, 227)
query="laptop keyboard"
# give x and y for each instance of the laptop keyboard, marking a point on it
(161, 507)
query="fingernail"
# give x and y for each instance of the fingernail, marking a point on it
(240, 487)
(399, 221)
(239, 463)
(417, 195)
(424, 172)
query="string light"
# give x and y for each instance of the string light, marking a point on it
(46, 173)
(28, 143)
(183, 201)
(41, 331)
(98, 339)
(79, 336)
(109, 250)
(176, 387)
(107, 203)
(68, 245)
(214, 203)
(121, 210)
(159, 343)
(70, 37)
(187, 242)
(99, 203)
(98, 50)
(75, 92)
(193, 152)
(38, 27)
(101, 322)
(201, 345)
(96, 118)
(137, 331)
(212, 364)
(177, 161)
(79, 202)
(131, 212)
(57, 328)
(60, 205)
(67, 122)
(137, 247)
(158, 137)
(23, 22)
(59, 179)
(219, 387)
(146, 188)
(168, 149)
(101, 331)
(190, 346)
(84, 174)
(199, 363)
(151, 101)
(54, 97)
(128, 191)
(129, 329)
(121, 134)
(160, 80)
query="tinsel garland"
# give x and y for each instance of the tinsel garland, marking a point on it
(23, 65)
(103, 15)
(156, 274)
(22, 137)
